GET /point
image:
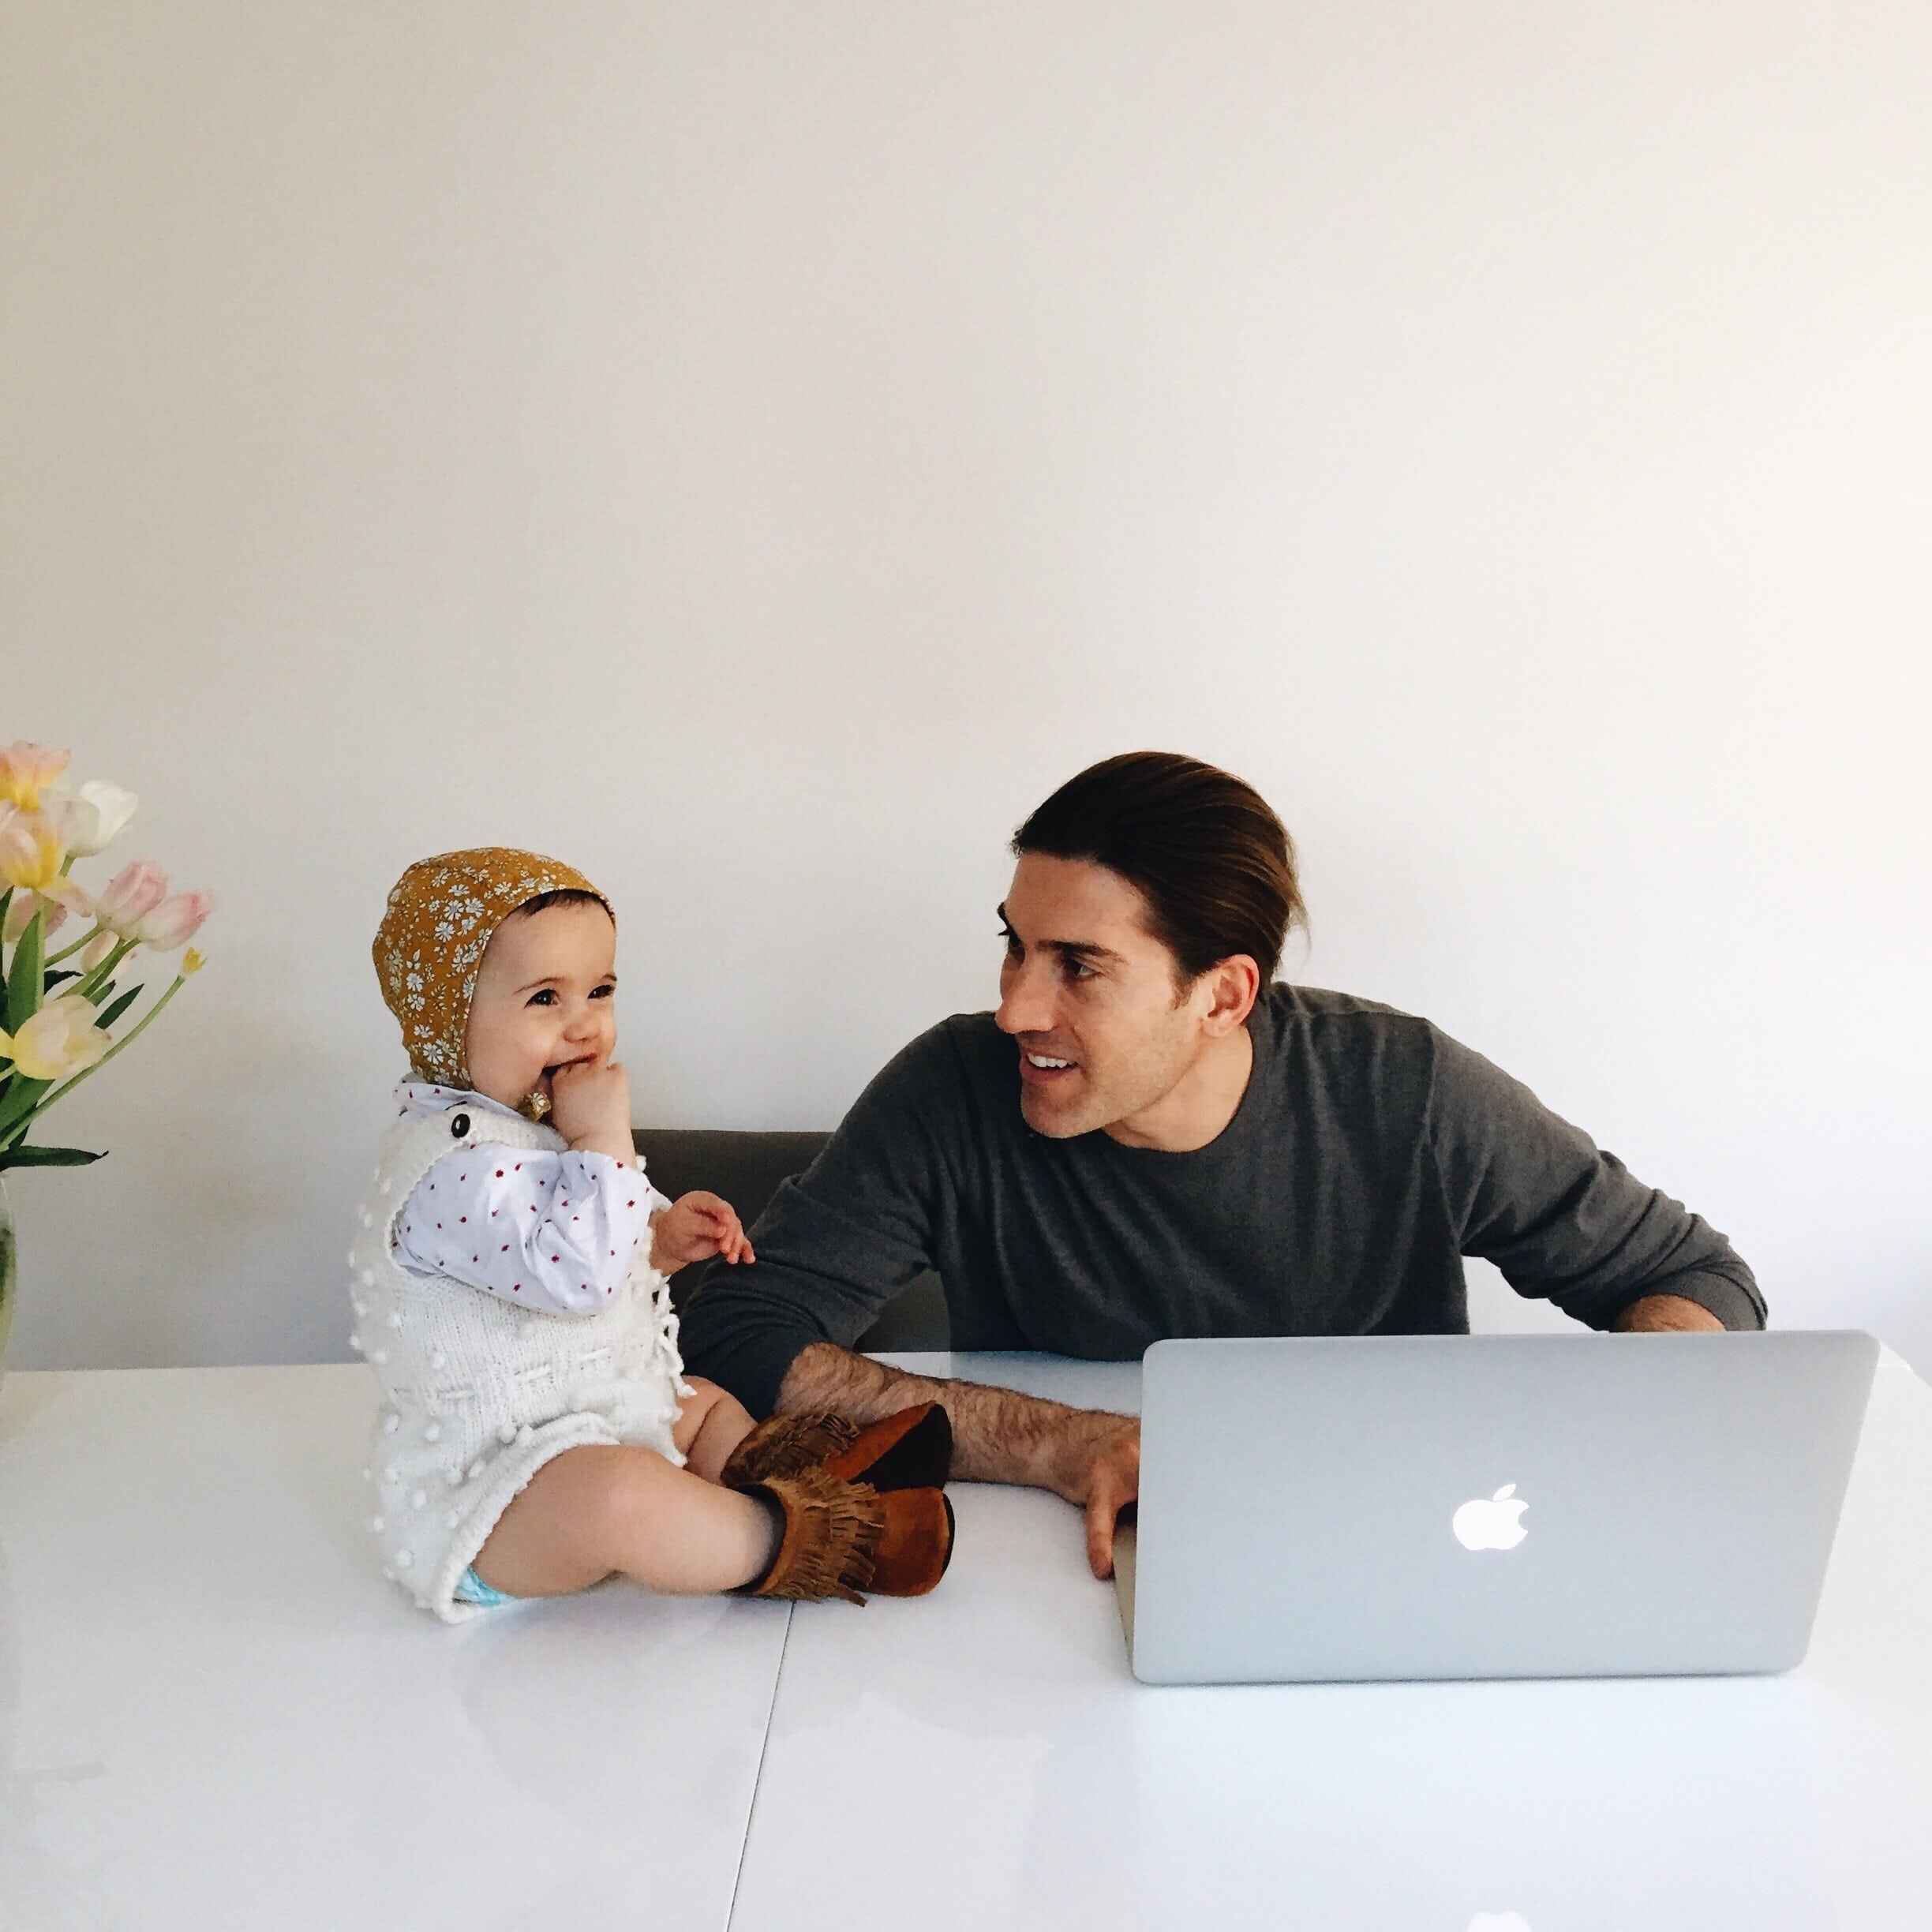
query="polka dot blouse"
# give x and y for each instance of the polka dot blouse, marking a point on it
(550, 1231)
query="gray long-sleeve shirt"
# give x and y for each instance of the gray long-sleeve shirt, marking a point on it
(1369, 1154)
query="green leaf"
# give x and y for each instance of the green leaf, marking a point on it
(24, 986)
(60, 973)
(47, 1156)
(107, 1018)
(23, 1095)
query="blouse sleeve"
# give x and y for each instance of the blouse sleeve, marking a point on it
(554, 1232)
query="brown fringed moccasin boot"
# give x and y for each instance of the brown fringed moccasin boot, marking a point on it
(844, 1539)
(912, 1450)
(785, 1445)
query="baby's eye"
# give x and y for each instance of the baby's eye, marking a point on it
(602, 992)
(544, 996)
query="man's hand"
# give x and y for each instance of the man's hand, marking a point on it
(1103, 1465)
(590, 1107)
(1663, 1314)
(693, 1228)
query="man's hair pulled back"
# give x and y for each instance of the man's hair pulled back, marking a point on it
(1215, 865)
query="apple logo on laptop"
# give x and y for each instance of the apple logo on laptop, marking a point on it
(1491, 1523)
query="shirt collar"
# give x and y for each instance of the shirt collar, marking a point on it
(424, 1100)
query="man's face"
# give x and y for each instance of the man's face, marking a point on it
(1092, 999)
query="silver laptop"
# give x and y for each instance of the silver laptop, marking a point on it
(1487, 1506)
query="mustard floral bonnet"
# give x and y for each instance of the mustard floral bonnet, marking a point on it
(442, 912)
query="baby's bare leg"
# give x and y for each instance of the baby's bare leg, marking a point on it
(595, 1510)
(710, 1425)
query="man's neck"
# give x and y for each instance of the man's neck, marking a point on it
(1199, 1106)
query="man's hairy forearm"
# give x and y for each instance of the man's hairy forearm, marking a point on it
(998, 1435)
(1663, 1314)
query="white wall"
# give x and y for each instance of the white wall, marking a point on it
(757, 451)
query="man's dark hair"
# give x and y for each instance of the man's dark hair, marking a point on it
(1215, 865)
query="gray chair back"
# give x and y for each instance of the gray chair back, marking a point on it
(746, 1168)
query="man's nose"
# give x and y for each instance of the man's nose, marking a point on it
(1026, 1001)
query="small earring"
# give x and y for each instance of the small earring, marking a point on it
(537, 1106)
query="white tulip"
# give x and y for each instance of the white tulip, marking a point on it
(92, 818)
(59, 1040)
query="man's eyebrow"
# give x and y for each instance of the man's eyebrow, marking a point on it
(1084, 950)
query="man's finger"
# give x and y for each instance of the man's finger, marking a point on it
(1100, 1510)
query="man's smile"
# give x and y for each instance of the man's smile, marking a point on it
(1044, 1069)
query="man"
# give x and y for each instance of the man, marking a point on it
(1148, 1138)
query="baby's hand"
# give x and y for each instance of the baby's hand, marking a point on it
(693, 1228)
(590, 1107)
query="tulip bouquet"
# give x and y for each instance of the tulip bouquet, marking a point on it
(60, 1006)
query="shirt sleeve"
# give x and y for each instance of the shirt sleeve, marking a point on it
(838, 1241)
(550, 1231)
(1562, 1219)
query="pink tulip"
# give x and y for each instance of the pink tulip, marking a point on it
(132, 894)
(31, 865)
(174, 921)
(26, 769)
(30, 849)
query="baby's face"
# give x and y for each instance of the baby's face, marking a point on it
(545, 995)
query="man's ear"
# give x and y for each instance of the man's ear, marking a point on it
(1233, 985)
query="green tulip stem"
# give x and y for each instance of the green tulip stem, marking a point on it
(87, 939)
(88, 988)
(126, 1040)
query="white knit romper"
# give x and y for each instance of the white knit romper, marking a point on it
(479, 1394)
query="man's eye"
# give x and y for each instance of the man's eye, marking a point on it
(1079, 969)
(1009, 939)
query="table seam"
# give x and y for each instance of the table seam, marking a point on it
(758, 1777)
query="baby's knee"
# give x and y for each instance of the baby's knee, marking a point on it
(705, 1400)
(630, 1488)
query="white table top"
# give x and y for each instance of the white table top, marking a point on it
(213, 1712)
(983, 1757)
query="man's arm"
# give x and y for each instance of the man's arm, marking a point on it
(1568, 1222)
(834, 1246)
(836, 1242)
(1665, 1314)
(1090, 1456)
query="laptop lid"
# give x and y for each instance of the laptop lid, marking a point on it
(1496, 1505)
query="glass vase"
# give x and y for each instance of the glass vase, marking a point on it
(9, 1273)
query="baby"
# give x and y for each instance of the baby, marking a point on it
(537, 1433)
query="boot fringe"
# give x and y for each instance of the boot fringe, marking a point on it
(786, 1445)
(831, 1539)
